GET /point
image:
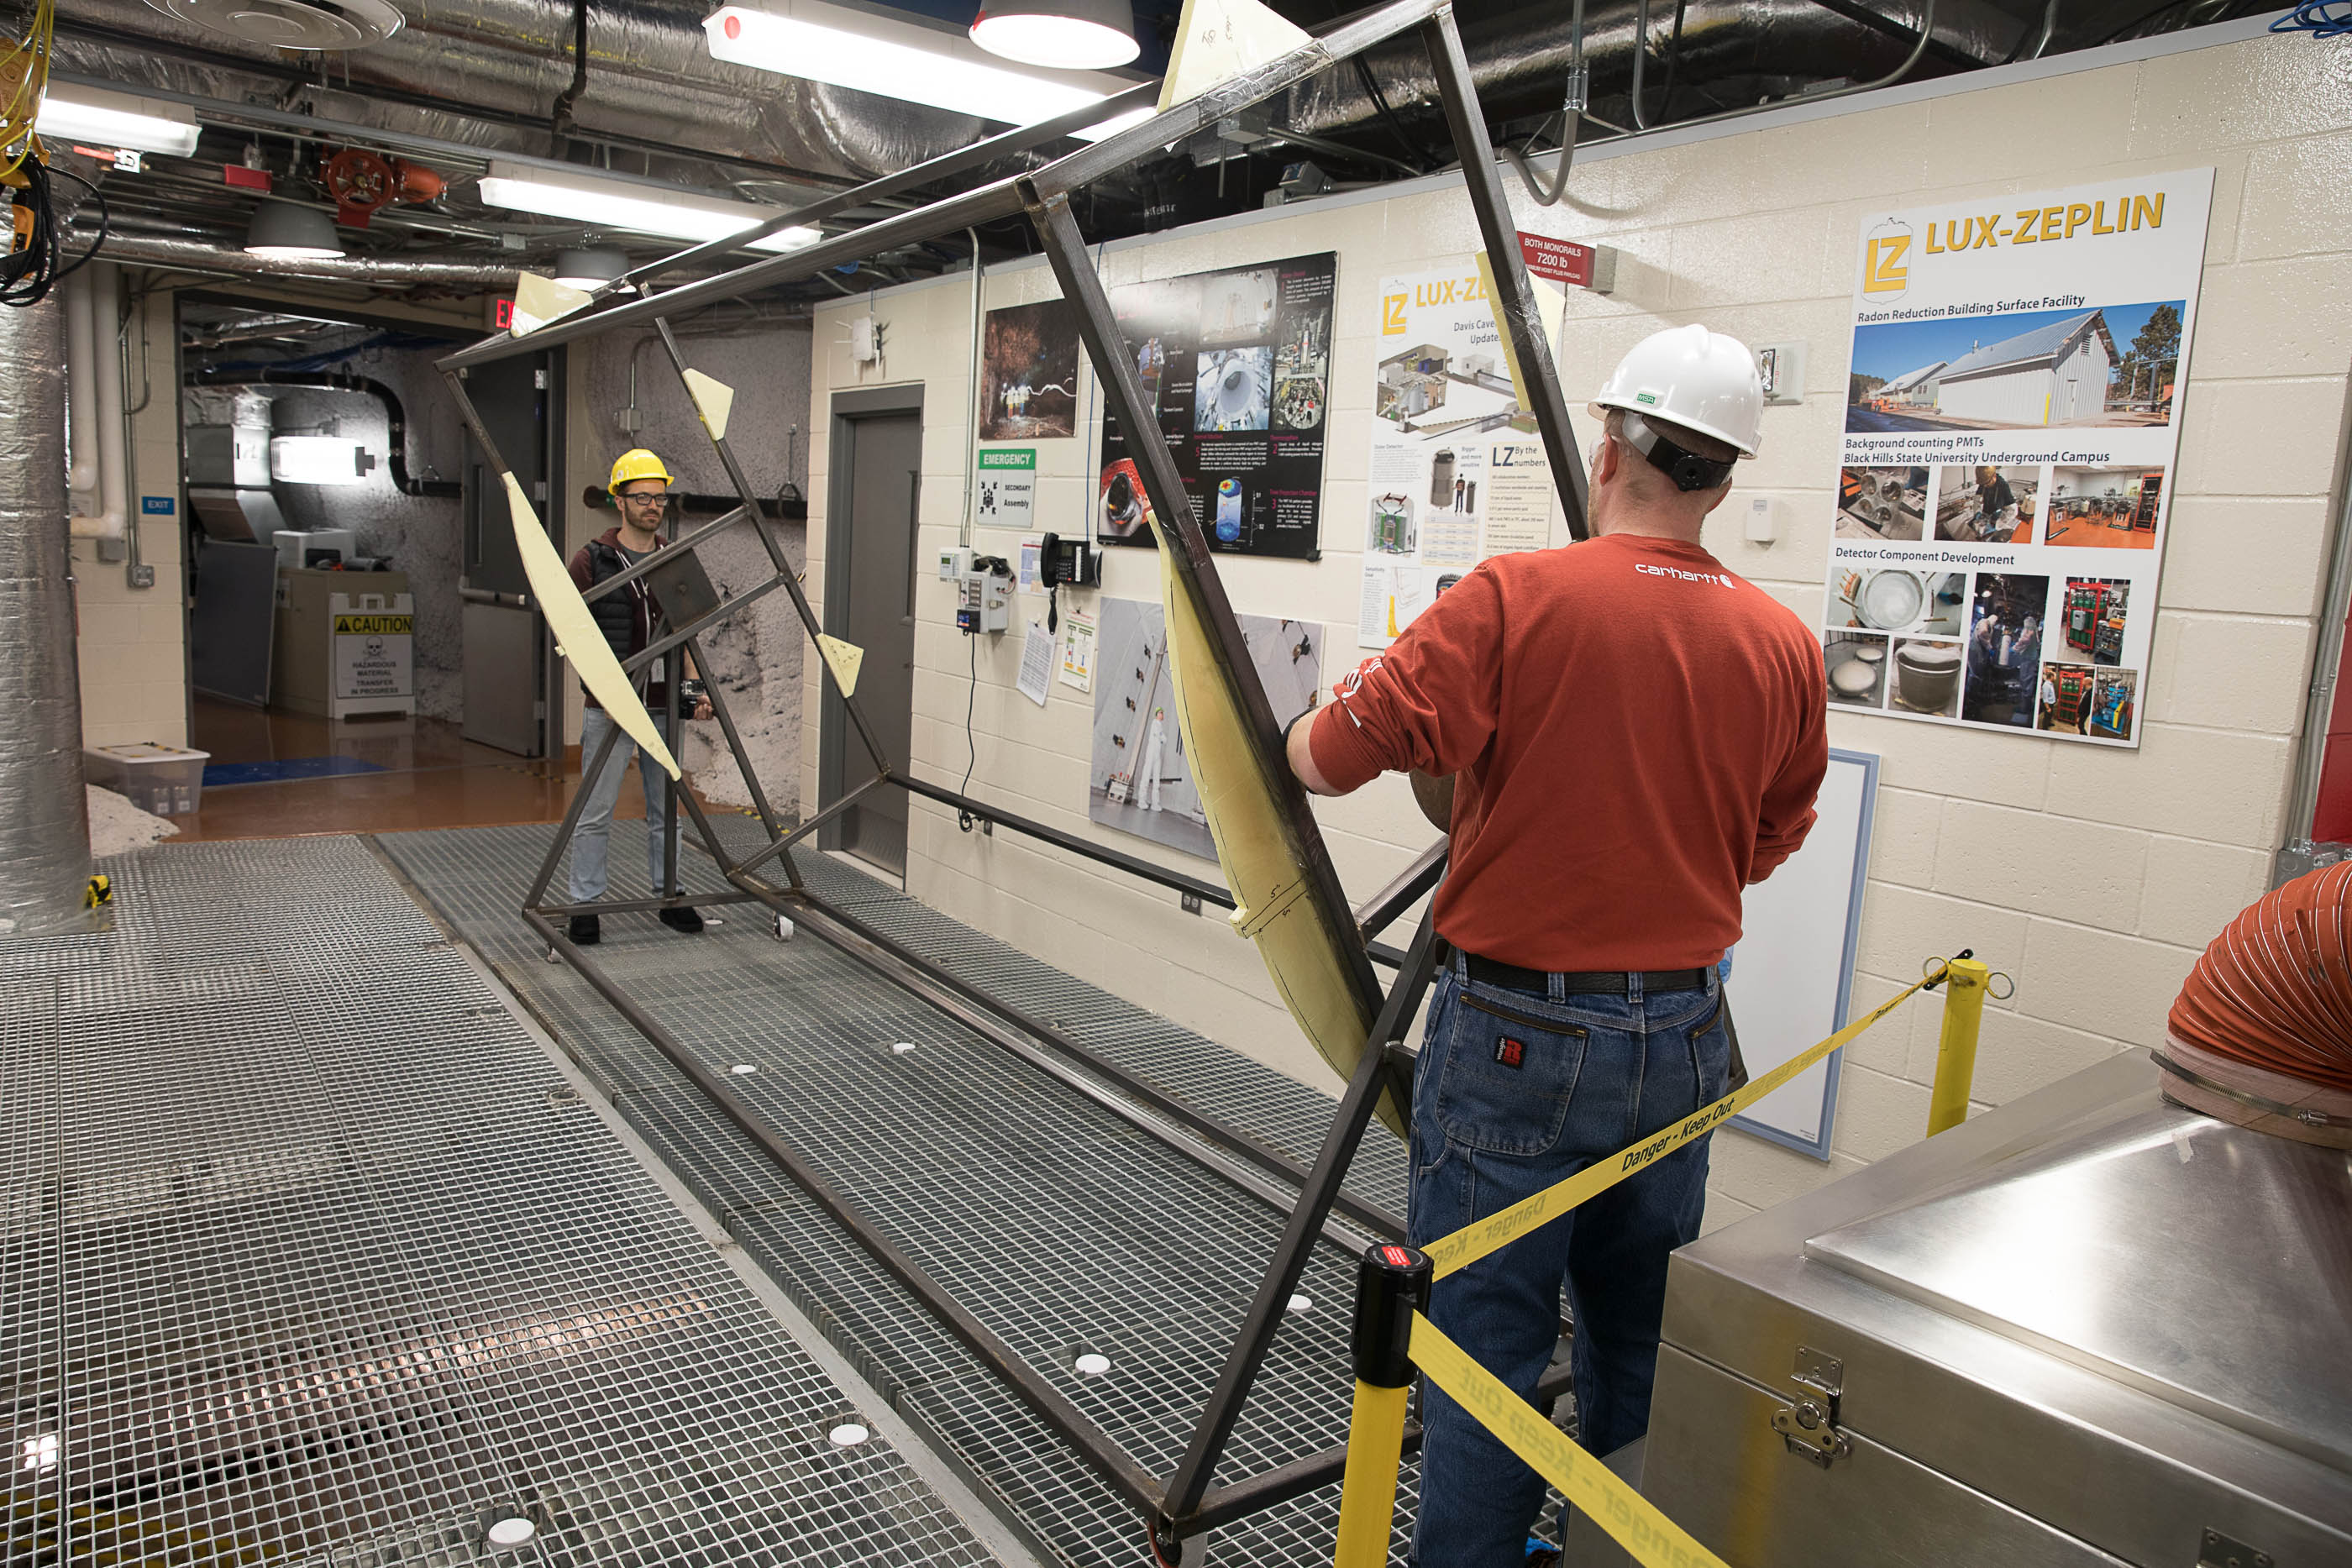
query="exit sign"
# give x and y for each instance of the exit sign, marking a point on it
(501, 312)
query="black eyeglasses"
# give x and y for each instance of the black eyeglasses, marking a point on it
(644, 500)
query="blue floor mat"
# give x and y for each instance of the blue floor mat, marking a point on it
(219, 775)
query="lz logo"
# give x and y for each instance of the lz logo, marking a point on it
(1887, 260)
(1392, 316)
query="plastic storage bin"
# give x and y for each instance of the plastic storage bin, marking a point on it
(168, 780)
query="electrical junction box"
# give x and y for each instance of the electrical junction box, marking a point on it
(985, 602)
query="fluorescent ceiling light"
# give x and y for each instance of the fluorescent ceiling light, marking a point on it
(1061, 34)
(632, 207)
(901, 60)
(318, 460)
(104, 118)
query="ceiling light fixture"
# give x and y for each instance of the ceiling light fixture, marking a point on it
(1060, 35)
(291, 232)
(643, 208)
(103, 118)
(590, 268)
(318, 460)
(901, 60)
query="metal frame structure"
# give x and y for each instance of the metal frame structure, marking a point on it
(1186, 1504)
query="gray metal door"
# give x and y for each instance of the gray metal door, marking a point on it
(870, 600)
(505, 658)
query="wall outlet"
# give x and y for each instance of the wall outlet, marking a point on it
(140, 575)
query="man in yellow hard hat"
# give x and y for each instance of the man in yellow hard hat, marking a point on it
(630, 621)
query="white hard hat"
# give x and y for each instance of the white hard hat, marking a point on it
(1689, 376)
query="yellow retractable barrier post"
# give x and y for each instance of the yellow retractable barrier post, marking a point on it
(1391, 1288)
(1956, 1055)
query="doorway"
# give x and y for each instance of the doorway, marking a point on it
(340, 558)
(871, 520)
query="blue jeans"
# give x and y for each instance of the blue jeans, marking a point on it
(1515, 1091)
(590, 841)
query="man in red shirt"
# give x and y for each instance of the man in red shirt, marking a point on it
(1635, 735)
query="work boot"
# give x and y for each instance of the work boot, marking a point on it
(585, 931)
(683, 919)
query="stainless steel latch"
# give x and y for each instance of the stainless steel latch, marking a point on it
(2218, 1550)
(1808, 1426)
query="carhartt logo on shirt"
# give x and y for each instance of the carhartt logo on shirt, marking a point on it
(1722, 579)
(1510, 1053)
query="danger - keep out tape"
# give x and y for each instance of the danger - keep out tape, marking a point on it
(1475, 1240)
(1631, 1519)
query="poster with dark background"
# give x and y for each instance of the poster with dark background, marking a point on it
(1029, 372)
(1236, 363)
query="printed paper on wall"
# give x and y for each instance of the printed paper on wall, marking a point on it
(2012, 425)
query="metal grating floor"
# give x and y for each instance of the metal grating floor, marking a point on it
(309, 1253)
(1064, 1228)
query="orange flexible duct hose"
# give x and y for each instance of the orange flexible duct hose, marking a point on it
(2262, 1032)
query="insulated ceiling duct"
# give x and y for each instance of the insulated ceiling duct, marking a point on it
(291, 23)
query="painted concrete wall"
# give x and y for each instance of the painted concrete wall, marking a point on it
(132, 643)
(755, 657)
(2092, 876)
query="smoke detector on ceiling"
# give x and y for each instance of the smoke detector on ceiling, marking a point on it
(291, 23)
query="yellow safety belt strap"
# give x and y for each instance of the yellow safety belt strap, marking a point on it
(1473, 1241)
(1631, 1520)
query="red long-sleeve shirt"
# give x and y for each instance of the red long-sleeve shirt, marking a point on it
(1637, 735)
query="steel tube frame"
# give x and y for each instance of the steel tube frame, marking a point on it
(1188, 1504)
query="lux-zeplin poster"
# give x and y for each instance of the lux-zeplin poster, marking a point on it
(1457, 470)
(2008, 466)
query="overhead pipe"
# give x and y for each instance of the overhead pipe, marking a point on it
(188, 256)
(44, 814)
(99, 353)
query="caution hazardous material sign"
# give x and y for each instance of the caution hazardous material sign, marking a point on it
(374, 625)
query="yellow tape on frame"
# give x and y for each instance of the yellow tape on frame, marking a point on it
(1631, 1520)
(714, 400)
(577, 635)
(1473, 1241)
(844, 659)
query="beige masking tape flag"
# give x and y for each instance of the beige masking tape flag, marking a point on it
(713, 400)
(844, 659)
(1591, 1488)
(1547, 300)
(539, 300)
(1307, 961)
(577, 636)
(1217, 40)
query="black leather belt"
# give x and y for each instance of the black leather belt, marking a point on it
(1611, 983)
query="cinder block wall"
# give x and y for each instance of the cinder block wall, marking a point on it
(2092, 876)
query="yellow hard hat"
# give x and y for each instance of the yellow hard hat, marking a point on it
(637, 463)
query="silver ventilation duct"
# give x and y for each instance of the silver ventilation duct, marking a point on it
(1520, 59)
(651, 77)
(44, 813)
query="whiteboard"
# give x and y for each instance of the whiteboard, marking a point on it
(1791, 973)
